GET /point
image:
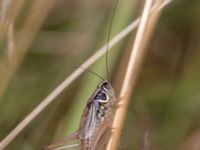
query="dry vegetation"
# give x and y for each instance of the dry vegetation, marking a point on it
(42, 41)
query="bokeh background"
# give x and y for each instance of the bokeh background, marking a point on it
(48, 44)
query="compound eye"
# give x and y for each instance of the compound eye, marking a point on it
(101, 96)
(106, 85)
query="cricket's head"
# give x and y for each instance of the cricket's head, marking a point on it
(105, 93)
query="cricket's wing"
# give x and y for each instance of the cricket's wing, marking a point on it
(63, 143)
(88, 120)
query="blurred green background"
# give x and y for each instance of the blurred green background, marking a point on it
(165, 102)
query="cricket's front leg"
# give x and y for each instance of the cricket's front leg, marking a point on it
(117, 103)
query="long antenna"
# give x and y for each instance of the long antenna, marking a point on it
(107, 46)
(90, 71)
(108, 39)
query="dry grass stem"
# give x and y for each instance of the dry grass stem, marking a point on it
(4, 16)
(5, 7)
(6, 25)
(11, 43)
(126, 89)
(9, 11)
(142, 37)
(145, 144)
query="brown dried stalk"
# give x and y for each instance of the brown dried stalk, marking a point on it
(142, 37)
(11, 52)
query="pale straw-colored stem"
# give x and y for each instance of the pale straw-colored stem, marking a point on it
(7, 25)
(145, 144)
(142, 36)
(5, 7)
(125, 89)
(9, 9)
(11, 51)
(136, 46)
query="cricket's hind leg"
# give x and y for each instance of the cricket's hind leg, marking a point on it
(62, 144)
(103, 140)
